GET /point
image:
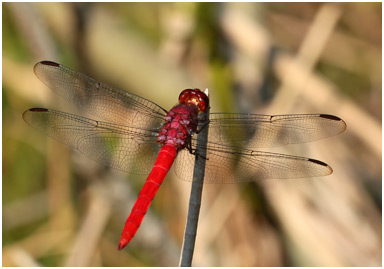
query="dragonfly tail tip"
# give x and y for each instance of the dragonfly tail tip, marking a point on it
(121, 245)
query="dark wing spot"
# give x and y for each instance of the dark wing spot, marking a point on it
(49, 63)
(318, 162)
(330, 117)
(38, 109)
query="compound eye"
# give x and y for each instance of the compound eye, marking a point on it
(196, 97)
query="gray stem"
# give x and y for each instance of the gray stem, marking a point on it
(196, 192)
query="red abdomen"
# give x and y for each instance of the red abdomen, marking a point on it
(163, 163)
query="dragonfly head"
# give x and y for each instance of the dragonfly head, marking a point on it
(196, 97)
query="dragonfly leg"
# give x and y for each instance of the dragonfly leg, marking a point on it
(205, 124)
(194, 151)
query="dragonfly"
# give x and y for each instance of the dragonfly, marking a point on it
(140, 137)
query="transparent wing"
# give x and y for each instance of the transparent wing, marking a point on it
(263, 131)
(99, 99)
(233, 165)
(129, 149)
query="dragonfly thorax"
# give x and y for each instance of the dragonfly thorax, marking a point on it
(180, 123)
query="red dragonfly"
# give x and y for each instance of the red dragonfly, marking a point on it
(139, 136)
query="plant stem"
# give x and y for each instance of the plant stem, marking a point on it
(196, 192)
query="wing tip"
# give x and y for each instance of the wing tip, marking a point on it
(330, 170)
(27, 114)
(335, 118)
(46, 63)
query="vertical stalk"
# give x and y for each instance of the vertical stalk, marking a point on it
(196, 192)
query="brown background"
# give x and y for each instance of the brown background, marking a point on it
(60, 209)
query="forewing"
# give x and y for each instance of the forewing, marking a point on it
(263, 131)
(124, 148)
(102, 100)
(233, 165)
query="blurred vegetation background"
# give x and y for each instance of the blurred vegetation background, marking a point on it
(61, 209)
